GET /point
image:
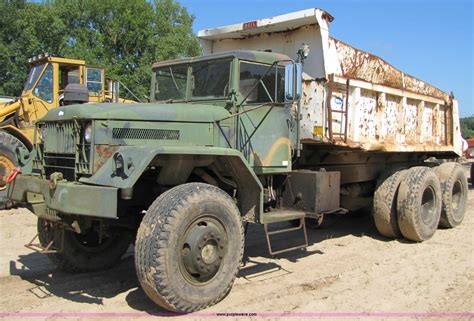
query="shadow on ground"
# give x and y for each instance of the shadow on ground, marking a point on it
(93, 288)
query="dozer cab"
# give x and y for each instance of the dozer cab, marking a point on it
(44, 90)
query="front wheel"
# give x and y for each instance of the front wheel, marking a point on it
(83, 252)
(189, 247)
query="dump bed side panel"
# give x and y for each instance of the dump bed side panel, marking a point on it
(370, 117)
(358, 64)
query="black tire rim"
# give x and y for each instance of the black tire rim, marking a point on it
(428, 205)
(91, 241)
(457, 198)
(202, 249)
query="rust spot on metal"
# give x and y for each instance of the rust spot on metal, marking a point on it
(102, 154)
(358, 64)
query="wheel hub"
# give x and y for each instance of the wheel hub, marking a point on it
(6, 166)
(203, 248)
(428, 205)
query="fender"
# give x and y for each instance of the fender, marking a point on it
(134, 160)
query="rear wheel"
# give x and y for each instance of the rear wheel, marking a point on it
(8, 161)
(385, 204)
(83, 252)
(419, 204)
(454, 194)
(189, 247)
(472, 174)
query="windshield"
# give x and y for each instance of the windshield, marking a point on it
(44, 88)
(171, 83)
(262, 83)
(208, 80)
(211, 79)
(33, 76)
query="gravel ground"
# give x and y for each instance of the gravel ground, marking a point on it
(347, 269)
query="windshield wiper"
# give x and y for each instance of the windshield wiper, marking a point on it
(174, 81)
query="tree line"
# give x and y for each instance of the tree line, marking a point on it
(124, 36)
(467, 127)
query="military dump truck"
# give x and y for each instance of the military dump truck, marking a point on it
(46, 87)
(295, 127)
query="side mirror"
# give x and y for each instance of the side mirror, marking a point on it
(293, 81)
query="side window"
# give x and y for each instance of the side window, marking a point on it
(44, 88)
(68, 75)
(280, 84)
(269, 88)
(94, 79)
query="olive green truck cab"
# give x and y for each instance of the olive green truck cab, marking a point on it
(240, 136)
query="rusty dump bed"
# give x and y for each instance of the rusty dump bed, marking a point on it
(350, 97)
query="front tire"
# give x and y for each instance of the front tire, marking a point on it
(83, 252)
(189, 247)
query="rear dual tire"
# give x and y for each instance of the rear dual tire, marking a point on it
(385, 203)
(419, 204)
(414, 202)
(454, 194)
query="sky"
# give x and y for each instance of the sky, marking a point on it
(429, 39)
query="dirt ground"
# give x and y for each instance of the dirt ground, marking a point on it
(347, 269)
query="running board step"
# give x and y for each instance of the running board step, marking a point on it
(284, 216)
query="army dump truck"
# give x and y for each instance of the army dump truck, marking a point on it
(46, 88)
(280, 134)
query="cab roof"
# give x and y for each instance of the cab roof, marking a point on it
(250, 55)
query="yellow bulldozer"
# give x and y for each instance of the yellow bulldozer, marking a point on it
(44, 90)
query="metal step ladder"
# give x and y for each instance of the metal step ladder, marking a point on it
(343, 119)
(284, 216)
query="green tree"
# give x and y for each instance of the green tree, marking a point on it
(27, 29)
(124, 36)
(467, 127)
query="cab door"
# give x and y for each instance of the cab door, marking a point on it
(265, 125)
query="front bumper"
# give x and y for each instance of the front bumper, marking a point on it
(67, 197)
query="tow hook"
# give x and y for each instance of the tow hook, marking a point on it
(13, 174)
(53, 180)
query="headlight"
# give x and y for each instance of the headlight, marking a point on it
(88, 133)
(41, 133)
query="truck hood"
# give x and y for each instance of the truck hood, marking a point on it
(149, 112)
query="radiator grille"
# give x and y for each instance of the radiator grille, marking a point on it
(145, 133)
(60, 138)
(64, 150)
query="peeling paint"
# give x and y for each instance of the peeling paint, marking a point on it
(358, 64)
